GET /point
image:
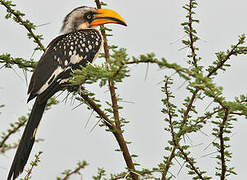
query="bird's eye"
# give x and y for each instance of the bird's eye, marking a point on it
(89, 16)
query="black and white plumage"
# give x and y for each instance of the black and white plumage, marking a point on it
(65, 53)
(79, 44)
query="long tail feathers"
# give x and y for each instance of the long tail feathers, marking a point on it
(27, 139)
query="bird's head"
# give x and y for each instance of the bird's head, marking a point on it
(86, 17)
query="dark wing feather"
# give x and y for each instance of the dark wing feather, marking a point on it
(66, 51)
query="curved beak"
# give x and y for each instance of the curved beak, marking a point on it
(105, 16)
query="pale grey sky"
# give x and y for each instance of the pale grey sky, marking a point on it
(152, 27)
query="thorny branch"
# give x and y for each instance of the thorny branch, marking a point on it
(194, 94)
(23, 23)
(232, 52)
(222, 146)
(118, 135)
(12, 131)
(117, 132)
(75, 171)
(172, 155)
(7, 61)
(175, 139)
(96, 108)
(191, 35)
(33, 164)
(190, 162)
(181, 71)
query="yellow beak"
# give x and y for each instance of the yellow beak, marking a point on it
(105, 16)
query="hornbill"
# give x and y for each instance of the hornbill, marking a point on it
(78, 45)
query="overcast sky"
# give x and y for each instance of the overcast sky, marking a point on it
(153, 26)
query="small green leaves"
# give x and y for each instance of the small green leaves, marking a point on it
(113, 70)
(68, 173)
(17, 16)
(8, 62)
(223, 57)
(192, 36)
(33, 164)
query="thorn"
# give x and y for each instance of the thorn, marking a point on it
(95, 126)
(179, 87)
(89, 119)
(43, 24)
(77, 106)
(130, 102)
(146, 73)
(25, 75)
(209, 145)
(17, 74)
(209, 105)
(208, 154)
(171, 43)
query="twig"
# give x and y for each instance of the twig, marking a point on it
(172, 155)
(155, 61)
(7, 61)
(96, 108)
(76, 170)
(232, 52)
(118, 134)
(191, 34)
(33, 164)
(21, 21)
(202, 119)
(222, 146)
(190, 163)
(12, 131)
(192, 99)
(176, 137)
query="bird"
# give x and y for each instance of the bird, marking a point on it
(79, 44)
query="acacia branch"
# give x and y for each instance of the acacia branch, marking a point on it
(190, 163)
(222, 146)
(172, 155)
(176, 136)
(23, 23)
(115, 130)
(12, 131)
(175, 140)
(118, 134)
(33, 164)
(75, 171)
(96, 108)
(192, 99)
(7, 60)
(230, 53)
(191, 35)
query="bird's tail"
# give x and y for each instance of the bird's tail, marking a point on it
(27, 139)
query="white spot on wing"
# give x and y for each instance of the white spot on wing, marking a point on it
(64, 81)
(75, 59)
(35, 132)
(46, 85)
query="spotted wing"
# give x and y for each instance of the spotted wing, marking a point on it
(66, 52)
